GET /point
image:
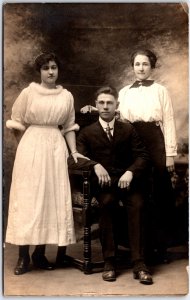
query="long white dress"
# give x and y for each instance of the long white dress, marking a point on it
(40, 207)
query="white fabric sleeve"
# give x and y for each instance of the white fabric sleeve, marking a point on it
(122, 105)
(70, 124)
(169, 129)
(18, 112)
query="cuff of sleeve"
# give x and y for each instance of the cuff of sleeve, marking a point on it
(75, 127)
(11, 124)
(171, 150)
(174, 153)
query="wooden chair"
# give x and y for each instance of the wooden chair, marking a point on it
(86, 264)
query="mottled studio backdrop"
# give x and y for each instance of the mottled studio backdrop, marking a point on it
(94, 42)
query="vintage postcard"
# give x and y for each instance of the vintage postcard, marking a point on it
(108, 81)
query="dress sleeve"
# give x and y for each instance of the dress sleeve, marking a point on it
(122, 108)
(70, 124)
(169, 129)
(18, 112)
(120, 99)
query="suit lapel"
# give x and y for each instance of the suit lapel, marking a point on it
(117, 133)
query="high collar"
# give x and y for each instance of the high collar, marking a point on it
(104, 123)
(45, 91)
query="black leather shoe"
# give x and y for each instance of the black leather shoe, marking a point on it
(144, 277)
(141, 272)
(109, 275)
(41, 262)
(22, 266)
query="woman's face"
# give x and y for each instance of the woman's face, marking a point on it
(142, 67)
(49, 74)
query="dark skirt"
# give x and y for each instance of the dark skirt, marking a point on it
(152, 136)
(159, 206)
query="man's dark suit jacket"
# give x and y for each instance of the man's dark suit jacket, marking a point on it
(125, 152)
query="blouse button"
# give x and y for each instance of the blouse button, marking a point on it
(157, 124)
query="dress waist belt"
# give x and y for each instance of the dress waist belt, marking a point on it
(146, 124)
(44, 126)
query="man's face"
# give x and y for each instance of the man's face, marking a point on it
(106, 105)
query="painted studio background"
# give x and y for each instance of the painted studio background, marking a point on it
(94, 42)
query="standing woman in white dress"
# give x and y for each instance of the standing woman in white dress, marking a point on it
(40, 207)
(148, 106)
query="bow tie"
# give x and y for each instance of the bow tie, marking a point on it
(142, 82)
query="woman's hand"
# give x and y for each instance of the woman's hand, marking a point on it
(117, 114)
(87, 108)
(170, 163)
(76, 155)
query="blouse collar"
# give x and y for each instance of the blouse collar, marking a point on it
(138, 83)
(45, 91)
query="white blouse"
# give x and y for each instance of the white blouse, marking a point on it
(150, 103)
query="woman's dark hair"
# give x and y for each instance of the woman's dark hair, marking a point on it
(44, 58)
(152, 57)
(107, 90)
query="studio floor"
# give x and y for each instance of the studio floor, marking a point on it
(169, 279)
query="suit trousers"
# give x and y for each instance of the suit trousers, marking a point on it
(108, 198)
(132, 199)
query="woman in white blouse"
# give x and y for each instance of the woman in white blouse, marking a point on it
(148, 101)
(148, 106)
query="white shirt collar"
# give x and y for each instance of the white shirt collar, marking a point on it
(104, 124)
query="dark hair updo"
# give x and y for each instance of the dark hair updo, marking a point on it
(107, 90)
(152, 57)
(44, 58)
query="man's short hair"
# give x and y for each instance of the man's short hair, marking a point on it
(107, 90)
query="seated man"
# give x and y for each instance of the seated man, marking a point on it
(118, 159)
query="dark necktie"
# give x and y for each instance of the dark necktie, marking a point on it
(142, 82)
(108, 132)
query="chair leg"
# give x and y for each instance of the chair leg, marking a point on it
(87, 224)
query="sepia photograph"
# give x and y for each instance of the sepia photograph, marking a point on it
(95, 149)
